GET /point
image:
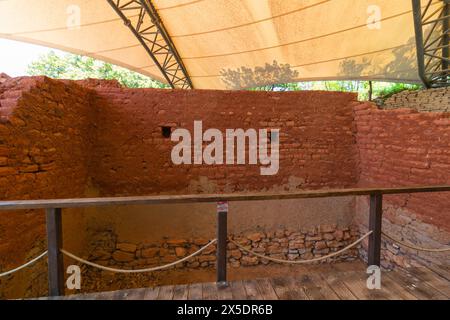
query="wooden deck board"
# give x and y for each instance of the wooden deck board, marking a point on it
(356, 282)
(407, 286)
(443, 271)
(288, 289)
(252, 290)
(165, 293)
(210, 291)
(324, 289)
(338, 287)
(180, 292)
(266, 289)
(151, 293)
(238, 290)
(195, 291)
(336, 283)
(432, 279)
(224, 293)
(415, 286)
(395, 289)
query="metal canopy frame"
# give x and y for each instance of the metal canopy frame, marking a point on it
(432, 42)
(141, 17)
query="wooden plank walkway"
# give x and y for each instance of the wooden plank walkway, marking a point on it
(418, 283)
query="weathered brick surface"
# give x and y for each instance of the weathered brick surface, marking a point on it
(404, 147)
(44, 145)
(132, 157)
(55, 136)
(50, 129)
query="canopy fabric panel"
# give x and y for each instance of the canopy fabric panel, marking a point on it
(234, 44)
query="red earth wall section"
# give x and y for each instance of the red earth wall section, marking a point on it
(403, 147)
(57, 136)
(44, 149)
(317, 139)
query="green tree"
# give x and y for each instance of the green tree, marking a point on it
(379, 89)
(76, 67)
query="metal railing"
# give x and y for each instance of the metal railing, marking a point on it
(54, 219)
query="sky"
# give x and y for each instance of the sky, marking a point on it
(16, 56)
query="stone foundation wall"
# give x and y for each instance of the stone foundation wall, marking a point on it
(283, 244)
(427, 100)
(408, 227)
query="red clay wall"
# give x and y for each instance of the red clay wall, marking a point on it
(316, 142)
(403, 147)
(56, 136)
(44, 148)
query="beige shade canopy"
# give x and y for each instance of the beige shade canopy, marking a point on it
(232, 44)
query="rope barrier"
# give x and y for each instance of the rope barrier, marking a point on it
(410, 246)
(301, 261)
(24, 265)
(136, 270)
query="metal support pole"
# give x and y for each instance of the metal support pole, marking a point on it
(221, 263)
(55, 258)
(445, 38)
(417, 14)
(375, 216)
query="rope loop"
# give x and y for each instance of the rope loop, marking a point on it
(4, 274)
(136, 270)
(410, 246)
(301, 261)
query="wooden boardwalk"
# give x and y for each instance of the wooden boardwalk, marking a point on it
(418, 283)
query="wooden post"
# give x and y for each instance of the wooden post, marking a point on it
(375, 216)
(221, 263)
(55, 258)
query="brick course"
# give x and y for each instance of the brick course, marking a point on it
(404, 147)
(45, 128)
(316, 139)
(426, 100)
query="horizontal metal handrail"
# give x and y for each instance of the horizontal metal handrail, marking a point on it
(195, 198)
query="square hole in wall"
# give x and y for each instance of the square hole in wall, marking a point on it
(166, 131)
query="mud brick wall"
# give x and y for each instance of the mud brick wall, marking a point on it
(317, 146)
(44, 150)
(317, 150)
(404, 147)
(63, 138)
(92, 138)
(429, 100)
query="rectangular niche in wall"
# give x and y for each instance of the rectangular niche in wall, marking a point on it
(166, 131)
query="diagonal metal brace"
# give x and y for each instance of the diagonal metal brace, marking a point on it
(141, 17)
(432, 42)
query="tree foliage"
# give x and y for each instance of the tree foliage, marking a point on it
(379, 89)
(71, 66)
(76, 67)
